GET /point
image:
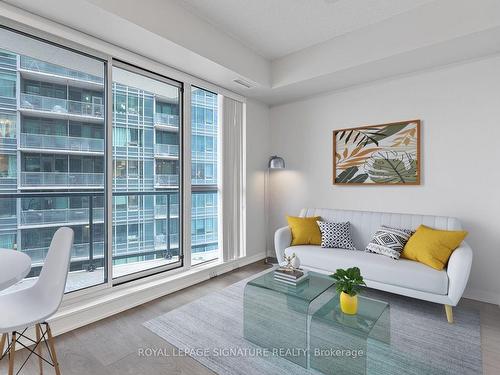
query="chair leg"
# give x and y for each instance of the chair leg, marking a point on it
(449, 313)
(52, 349)
(38, 330)
(12, 353)
(2, 343)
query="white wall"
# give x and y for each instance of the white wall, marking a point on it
(460, 111)
(257, 153)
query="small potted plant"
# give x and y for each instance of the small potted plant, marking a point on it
(348, 284)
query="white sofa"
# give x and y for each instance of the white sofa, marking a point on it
(405, 277)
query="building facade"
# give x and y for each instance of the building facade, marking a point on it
(52, 149)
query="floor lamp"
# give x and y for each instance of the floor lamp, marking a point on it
(275, 162)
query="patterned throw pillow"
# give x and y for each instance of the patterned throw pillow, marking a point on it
(389, 241)
(336, 235)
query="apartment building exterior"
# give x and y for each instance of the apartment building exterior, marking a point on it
(52, 150)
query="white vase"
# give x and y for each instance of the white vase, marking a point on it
(295, 262)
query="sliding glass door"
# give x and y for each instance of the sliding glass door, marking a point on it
(147, 128)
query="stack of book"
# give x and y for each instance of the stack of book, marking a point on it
(290, 277)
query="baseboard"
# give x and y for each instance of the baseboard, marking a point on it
(114, 302)
(483, 296)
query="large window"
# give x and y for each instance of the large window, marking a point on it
(204, 176)
(147, 184)
(47, 163)
(69, 124)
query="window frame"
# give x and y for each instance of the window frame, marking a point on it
(78, 42)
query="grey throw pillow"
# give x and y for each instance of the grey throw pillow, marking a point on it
(389, 241)
(336, 235)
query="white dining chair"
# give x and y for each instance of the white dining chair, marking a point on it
(20, 310)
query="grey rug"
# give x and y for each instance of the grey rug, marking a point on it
(210, 330)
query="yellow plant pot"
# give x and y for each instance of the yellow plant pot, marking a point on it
(348, 304)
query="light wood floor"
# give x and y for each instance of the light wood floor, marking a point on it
(110, 346)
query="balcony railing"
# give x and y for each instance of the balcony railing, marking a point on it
(8, 183)
(204, 156)
(167, 150)
(60, 216)
(58, 142)
(167, 120)
(167, 180)
(34, 65)
(204, 211)
(161, 241)
(61, 106)
(161, 210)
(204, 128)
(61, 179)
(198, 239)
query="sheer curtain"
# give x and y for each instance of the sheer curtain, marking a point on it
(233, 178)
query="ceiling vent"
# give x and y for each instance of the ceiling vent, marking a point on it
(241, 82)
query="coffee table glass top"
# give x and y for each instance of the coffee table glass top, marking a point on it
(369, 313)
(307, 290)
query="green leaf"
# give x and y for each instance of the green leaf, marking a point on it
(346, 175)
(359, 178)
(392, 167)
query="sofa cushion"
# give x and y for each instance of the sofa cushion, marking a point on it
(403, 273)
(336, 235)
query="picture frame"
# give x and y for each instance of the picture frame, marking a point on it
(384, 154)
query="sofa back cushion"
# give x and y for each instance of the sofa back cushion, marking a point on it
(364, 224)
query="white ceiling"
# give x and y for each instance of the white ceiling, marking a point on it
(275, 28)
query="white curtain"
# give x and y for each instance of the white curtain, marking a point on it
(233, 178)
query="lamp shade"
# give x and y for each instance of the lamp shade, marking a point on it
(276, 162)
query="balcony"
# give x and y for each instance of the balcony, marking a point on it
(61, 108)
(79, 252)
(167, 122)
(61, 180)
(57, 143)
(161, 211)
(204, 156)
(201, 239)
(49, 217)
(205, 129)
(167, 180)
(8, 183)
(162, 239)
(204, 211)
(166, 151)
(31, 68)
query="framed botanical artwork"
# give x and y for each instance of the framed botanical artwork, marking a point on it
(386, 154)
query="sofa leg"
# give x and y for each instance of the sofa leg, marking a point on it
(449, 313)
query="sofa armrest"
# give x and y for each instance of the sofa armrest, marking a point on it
(282, 239)
(458, 270)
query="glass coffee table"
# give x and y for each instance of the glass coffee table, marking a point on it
(276, 315)
(304, 323)
(340, 343)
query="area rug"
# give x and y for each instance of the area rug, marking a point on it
(210, 330)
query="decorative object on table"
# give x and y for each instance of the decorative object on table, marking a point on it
(295, 262)
(433, 247)
(336, 235)
(288, 260)
(389, 241)
(290, 276)
(305, 230)
(387, 154)
(348, 284)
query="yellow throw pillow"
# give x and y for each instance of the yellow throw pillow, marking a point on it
(305, 230)
(432, 247)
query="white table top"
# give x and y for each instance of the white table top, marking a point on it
(14, 266)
